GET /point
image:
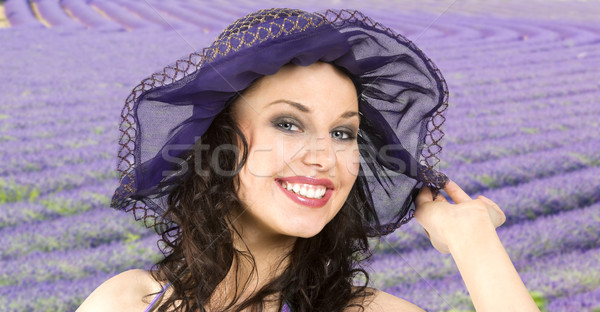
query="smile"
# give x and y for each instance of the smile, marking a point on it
(306, 190)
(306, 194)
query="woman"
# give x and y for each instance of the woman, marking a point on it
(266, 162)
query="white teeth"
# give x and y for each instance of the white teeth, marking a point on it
(305, 190)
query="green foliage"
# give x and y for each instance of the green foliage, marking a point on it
(103, 175)
(539, 299)
(30, 167)
(98, 197)
(528, 130)
(46, 135)
(135, 248)
(64, 206)
(6, 138)
(11, 192)
(586, 159)
(530, 214)
(487, 181)
(82, 143)
(4, 280)
(461, 299)
(376, 246)
(131, 237)
(33, 194)
(34, 215)
(55, 304)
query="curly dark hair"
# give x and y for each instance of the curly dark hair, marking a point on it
(198, 248)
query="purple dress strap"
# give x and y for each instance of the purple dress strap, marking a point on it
(149, 307)
(285, 308)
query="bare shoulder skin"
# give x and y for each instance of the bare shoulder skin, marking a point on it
(126, 291)
(122, 292)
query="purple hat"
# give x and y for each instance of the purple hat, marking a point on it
(402, 98)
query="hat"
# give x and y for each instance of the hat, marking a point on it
(402, 98)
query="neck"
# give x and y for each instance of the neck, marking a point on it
(268, 250)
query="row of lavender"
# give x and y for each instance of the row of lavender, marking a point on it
(113, 15)
(524, 132)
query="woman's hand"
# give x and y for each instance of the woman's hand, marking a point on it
(467, 230)
(441, 220)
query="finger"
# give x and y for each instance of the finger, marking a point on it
(424, 196)
(488, 201)
(500, 217)
(456, 193)
(440, 197)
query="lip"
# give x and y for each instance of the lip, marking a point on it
(310, 202)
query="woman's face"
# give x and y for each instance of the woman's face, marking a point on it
(301, 125)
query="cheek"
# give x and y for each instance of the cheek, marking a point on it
(350, 159)
(261, 153)
(258, 162)
(271, 156)
(348, 166)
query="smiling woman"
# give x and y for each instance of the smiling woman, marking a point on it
(267, 161)
(299, 143)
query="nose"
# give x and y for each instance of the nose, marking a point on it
(319, 153)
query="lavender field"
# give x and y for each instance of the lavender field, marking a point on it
(523, 128)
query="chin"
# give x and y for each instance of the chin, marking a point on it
(305, 232)
(306, 235)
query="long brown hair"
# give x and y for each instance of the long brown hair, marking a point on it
(198, 250)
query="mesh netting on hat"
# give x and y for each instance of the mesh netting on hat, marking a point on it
(403, 96)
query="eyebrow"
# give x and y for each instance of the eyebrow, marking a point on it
(305, 109)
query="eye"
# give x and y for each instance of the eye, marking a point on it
(287, 125)
(338, 134)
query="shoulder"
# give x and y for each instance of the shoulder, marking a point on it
(122, 292)
(384, 302)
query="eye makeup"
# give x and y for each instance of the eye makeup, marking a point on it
(280, 120)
